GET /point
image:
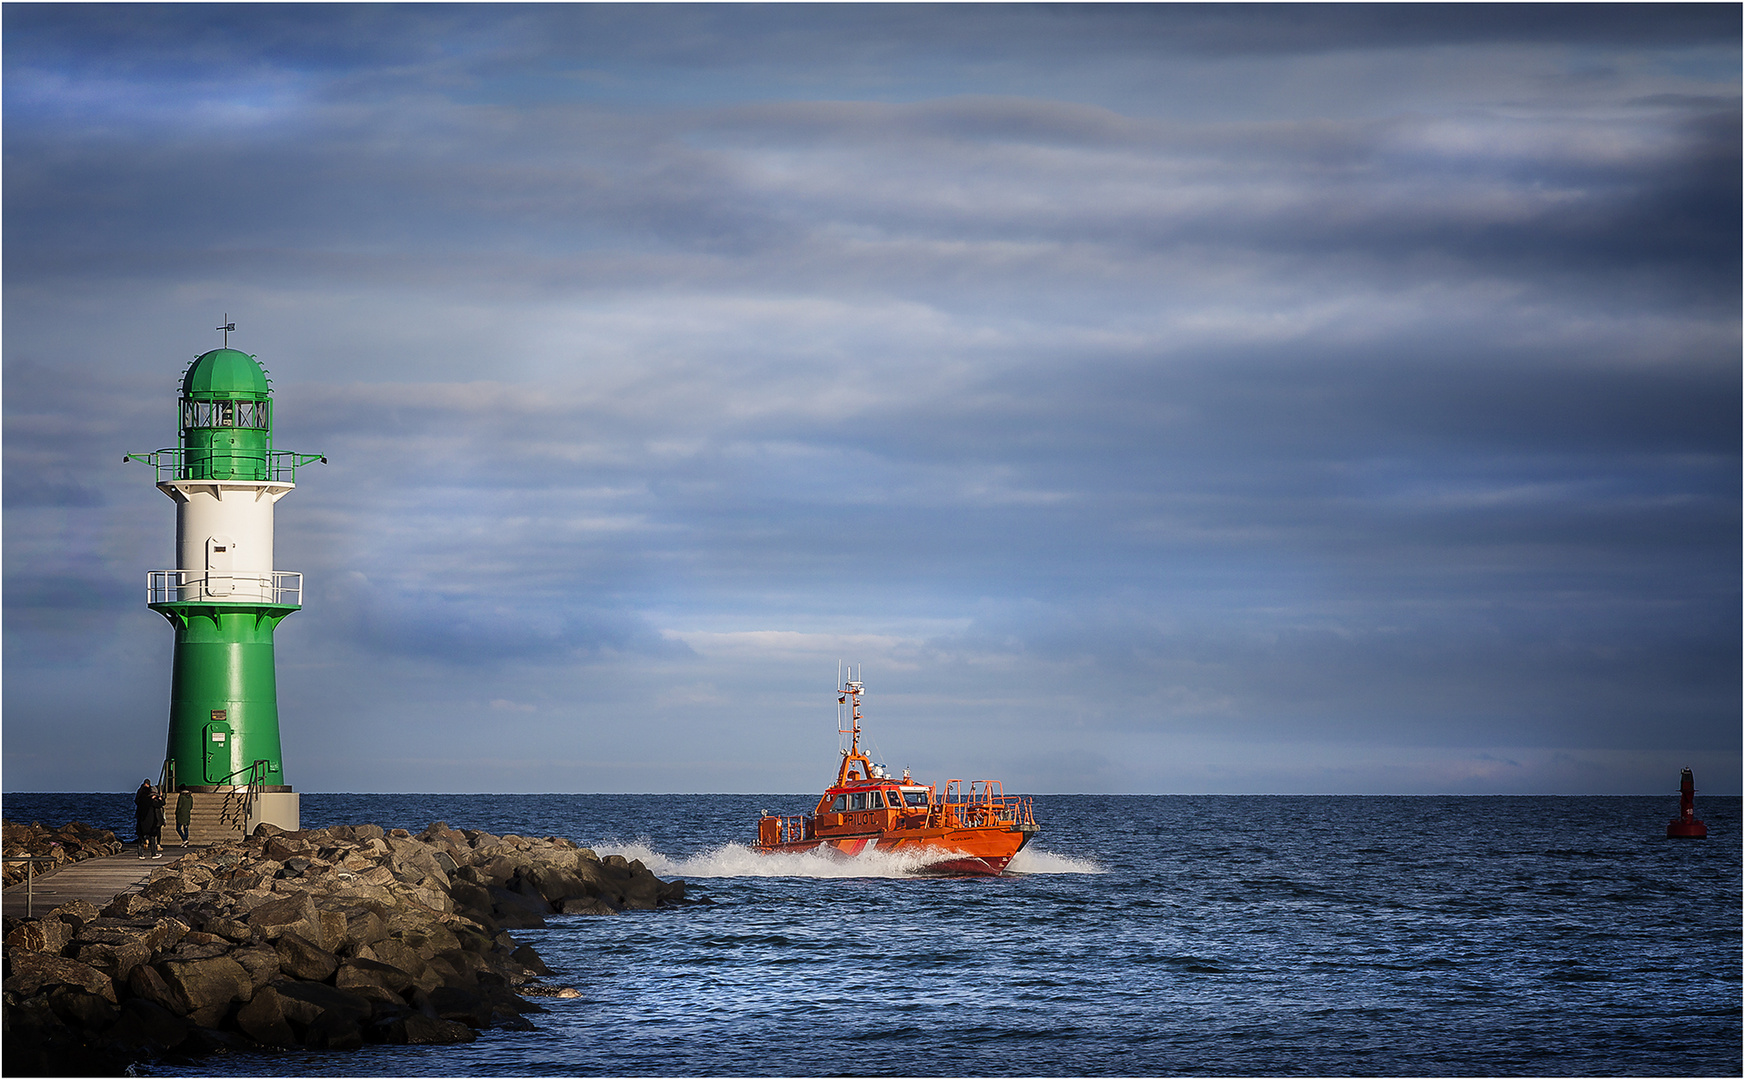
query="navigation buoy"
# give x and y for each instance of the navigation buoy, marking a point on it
(1686, 826)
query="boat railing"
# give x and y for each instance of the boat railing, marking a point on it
(982, 802)
(789, 829)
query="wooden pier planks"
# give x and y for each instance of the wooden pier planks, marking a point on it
(96, 880)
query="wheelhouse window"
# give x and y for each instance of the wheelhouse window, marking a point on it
(894, 799)
(840, 804)
(916, 798)
(857, 801)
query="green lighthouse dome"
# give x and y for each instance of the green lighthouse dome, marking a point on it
(227, 418)
(226, 375)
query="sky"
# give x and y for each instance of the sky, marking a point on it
(1245, 399)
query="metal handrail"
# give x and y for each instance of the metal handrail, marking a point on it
(29, 862)
(792, 828)
(281, 587)
(275, 466)
(249, 769)
(257, 775)
(984, 803)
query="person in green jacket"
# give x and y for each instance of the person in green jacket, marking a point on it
(184, 811)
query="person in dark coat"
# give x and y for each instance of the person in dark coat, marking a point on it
(148, 818)
(142, 813)
(184, 813)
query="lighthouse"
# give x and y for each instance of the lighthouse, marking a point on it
(226, 596)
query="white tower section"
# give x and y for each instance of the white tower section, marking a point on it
(224, 542)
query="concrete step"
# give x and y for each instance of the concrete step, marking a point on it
(216, 816)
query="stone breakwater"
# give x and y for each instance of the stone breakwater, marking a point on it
(319, 939)
(69, 843)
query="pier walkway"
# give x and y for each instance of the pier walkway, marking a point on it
(96, 880)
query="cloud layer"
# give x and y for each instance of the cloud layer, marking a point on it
(1226, 399)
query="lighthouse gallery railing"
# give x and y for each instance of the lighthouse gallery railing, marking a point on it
(182, 463)
(279, 587)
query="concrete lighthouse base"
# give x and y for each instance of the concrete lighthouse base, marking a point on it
(281, 808)
(224, 815)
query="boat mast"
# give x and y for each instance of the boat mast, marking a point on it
(850, 695)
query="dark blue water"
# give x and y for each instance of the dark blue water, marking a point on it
(1147, 935)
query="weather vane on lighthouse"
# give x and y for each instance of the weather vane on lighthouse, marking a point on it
(225, 597)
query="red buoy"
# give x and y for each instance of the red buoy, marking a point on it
(1686, 826)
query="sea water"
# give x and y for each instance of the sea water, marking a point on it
(1138, 935)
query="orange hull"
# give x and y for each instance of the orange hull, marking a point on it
(963, 851)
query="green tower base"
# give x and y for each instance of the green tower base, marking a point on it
(224, 703)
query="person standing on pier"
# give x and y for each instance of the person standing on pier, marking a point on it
(142, 813)
(148, 818)
(184, 812)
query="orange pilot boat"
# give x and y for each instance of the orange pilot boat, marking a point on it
(972, 828)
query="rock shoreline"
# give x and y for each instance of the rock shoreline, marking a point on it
(73, 842)
(319, 939)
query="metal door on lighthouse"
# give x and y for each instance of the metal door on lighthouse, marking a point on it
(220, 555)
(217, 743)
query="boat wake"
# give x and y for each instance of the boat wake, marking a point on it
(737, 860)
(1033, 861)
